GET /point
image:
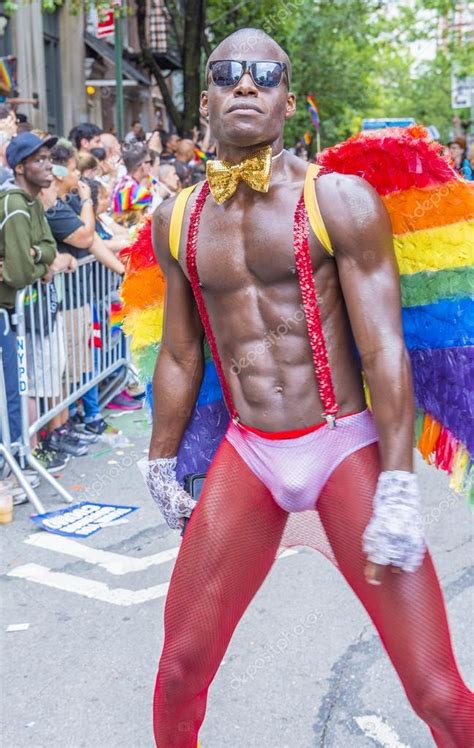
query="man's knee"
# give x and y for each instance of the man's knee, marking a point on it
(180, 675)
(432, 698)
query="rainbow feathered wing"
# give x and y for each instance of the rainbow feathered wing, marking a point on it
(432, 212)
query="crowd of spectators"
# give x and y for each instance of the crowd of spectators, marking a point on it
(61, 200)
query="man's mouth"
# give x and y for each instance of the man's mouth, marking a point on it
(243, 107)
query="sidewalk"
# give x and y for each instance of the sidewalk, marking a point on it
(304, 669)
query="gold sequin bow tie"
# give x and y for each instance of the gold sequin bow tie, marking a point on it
(256, 171)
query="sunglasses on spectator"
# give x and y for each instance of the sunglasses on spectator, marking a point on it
(264, 73)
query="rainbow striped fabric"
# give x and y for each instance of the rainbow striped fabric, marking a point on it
(7, 74)
(129, 195)
(432, 213)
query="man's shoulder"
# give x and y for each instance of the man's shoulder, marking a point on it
(346, 195)
(352, 211)
(334, 182)
(17, 199)
(15, 203)
(162, 215)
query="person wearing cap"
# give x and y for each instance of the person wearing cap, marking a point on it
(457, 150)
(27, 247)
(27, 253)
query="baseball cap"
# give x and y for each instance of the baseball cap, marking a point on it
(25, 145)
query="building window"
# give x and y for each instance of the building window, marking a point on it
(158, 27)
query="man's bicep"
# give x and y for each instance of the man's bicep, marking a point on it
(372, 298)
(368, 270)
(160, 234)
(182, 329)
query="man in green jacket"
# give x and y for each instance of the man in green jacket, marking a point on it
(27, 247)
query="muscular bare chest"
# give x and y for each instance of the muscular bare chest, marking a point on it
(249, 242)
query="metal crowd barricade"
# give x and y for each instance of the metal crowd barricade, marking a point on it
(65, 346)
(6, 449)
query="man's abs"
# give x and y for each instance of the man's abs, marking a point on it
(268, 363)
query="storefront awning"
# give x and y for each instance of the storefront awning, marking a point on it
(107, 52)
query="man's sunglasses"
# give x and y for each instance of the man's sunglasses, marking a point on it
(264, 73)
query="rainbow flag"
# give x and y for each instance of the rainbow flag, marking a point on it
(131, 197)
(7, 74)
(116, 315)
(307, 138)
(313, 110)
(199, 154)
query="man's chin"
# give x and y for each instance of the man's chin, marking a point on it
(244, 137)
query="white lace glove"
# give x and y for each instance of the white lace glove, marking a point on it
(395, 534)
(173, 501)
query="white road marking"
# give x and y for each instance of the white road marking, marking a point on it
(288, 552)
(18, 627)
(375, 727)
(87, 587)
(114, 563)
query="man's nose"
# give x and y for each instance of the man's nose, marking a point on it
(246, 86)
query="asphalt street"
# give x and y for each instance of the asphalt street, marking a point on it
(304, 669)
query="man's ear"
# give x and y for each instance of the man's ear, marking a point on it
(19, 169)
(290, 105)
(204, 104)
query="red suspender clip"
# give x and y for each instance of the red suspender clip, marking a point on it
(330, 420)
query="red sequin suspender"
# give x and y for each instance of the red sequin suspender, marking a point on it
(311, 310)
(191, 265)
(308, 294)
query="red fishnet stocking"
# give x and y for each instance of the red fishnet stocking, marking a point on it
(407, 609)
(228, 549)
(229, 546)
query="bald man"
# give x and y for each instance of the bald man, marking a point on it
(283, 269)
(111, 144)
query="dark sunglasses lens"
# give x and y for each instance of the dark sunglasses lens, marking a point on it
(226, 73)
(267, 74)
